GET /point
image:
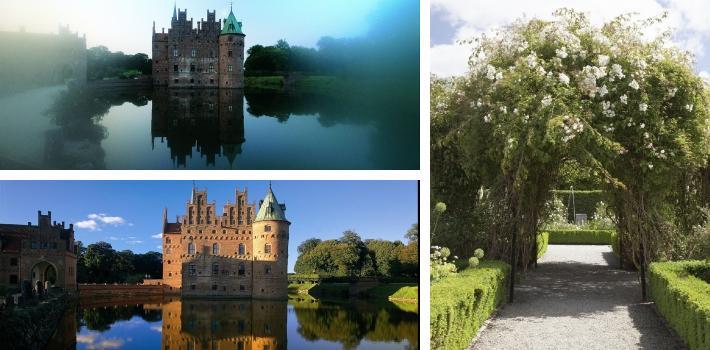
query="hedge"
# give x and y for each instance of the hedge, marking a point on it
(462, 302)
(601, 237)
(683, 299)
(543, 240)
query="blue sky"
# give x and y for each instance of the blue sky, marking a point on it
(127, 25)
(128, 214)
(453, 20)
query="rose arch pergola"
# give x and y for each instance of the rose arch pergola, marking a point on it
(540, 93)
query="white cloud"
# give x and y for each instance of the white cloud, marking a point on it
(90, 225)
(157, 328)
(157, 236)
(688, 18)
(96, 221)
(109, 220)
(134, 242)
(114, 238)
(158, 247)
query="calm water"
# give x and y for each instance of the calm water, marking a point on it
(60, 128)
(237, 324)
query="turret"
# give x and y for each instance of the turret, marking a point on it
(231, 54)
(270, 232)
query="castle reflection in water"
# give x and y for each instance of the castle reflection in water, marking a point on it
(210, 120)
(242, 324)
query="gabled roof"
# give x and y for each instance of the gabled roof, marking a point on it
(231, 25)
(270, 209)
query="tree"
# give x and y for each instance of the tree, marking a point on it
(308, 245)
(412, 234)
(100, 259)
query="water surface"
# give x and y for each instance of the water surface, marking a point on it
(237, 324)
(61, 128)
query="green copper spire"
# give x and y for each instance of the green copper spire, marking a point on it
(270, 209)
(231, 25)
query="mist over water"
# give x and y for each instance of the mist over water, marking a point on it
(52, 118)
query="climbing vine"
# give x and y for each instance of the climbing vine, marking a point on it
(542, 93)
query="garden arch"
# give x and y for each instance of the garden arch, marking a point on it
(543, 92)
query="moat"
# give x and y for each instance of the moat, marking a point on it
(161, 128)
(300, 323)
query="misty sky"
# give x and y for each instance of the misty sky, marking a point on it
(127, 25)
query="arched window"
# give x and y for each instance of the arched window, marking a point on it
(215, 249)
(267, 248)
(167, 240)
(242, 249)
(215, 269)
(242, 269)
(191, 248)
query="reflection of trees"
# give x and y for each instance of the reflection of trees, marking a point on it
(76, 143)
(350, 324)
(101, 318)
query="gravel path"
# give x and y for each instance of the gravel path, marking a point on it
(577, 299)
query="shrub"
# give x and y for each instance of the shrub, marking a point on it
(462, 302)
(472, 261)
(683, 299)
(478, 253)
(440, 267)
(581, 236)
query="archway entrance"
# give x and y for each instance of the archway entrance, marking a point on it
(44, 272)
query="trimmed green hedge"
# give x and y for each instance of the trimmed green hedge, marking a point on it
(683, 299)
(601, 237)
(543, 240)
(462, 302)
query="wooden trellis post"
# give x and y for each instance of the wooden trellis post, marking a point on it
(512, 266)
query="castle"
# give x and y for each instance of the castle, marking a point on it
(44, 253)
(240, 253)
(211, 56)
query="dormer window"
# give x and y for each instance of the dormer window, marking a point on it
(267, 228)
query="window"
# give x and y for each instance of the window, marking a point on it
(267, 248)
(33, 245)
(192, 286)
(215, 249)
(13, 279)
(54, 245)
(230, 108)
(230, 68)
(242, 288)
(13, 261)
(211, 67)
(175, 53)
(191, 248)
(211, 81)
(194, 52)
(267, 228)
(229, 53)
(267, 269)
(215, 269)
(192, 68)
(191, 270)
(168, 250)
(177, 81)
(167, 240)
(214, 287)
(242, 249)
(242, 270)
(170, 274)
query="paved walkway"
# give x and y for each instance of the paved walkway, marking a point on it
(577, 299)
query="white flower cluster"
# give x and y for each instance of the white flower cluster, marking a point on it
(589, 77)
(607, 109)
(572, 127)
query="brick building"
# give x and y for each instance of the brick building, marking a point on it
(209, 56)
(240, 253)
(42, 252)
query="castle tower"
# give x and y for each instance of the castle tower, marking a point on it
(231, 54)
(270, 247)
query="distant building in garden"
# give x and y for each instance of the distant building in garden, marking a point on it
(42, 252)
(240, 253)
(209, 56)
